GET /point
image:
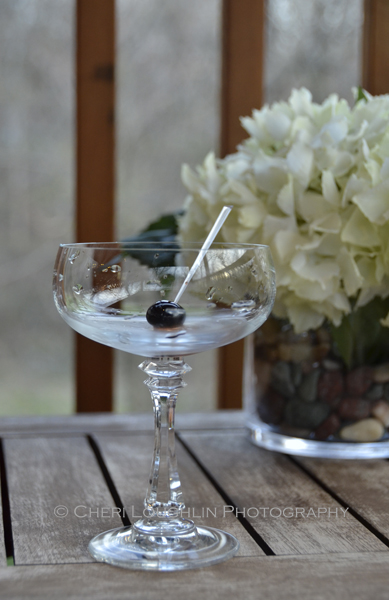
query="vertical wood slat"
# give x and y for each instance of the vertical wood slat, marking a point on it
(242, 76)
(95, 60)
(375, 66)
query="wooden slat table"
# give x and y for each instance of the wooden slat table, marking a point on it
(308, 528)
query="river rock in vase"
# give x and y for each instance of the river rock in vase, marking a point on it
(304, 389)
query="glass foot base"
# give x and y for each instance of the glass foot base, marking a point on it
(264, 436)
(129, 548)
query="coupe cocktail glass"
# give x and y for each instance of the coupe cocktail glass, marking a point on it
(103, 291)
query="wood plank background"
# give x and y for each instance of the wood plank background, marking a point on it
(362, 484)
(253, 477)
(44, 473)
(88, 423)
(243, 26)
(319, 557)
(95, 211)
(128, 459)
(3, 492)
(375, 55)
(336, 577)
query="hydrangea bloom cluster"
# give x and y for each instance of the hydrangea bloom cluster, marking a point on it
(312, 182)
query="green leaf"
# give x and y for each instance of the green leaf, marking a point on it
(361, 95)
(360, 338)
(344, 340)
(166, 223)
(164, 229)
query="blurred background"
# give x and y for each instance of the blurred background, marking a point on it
(168, 111)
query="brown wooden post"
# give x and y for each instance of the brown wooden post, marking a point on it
(242, 77)
(375, 68)
(95, 60)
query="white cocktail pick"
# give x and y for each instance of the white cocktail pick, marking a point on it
(211, 236)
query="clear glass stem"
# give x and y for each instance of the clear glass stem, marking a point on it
(163, 540)
(164, 499)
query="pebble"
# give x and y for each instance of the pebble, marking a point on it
(281, 379)
(376, 392)
(329, 427)
(381, 412)
(330, 387)
(353, 409)
(323, 335)
(295, 352)
(271, 408)
(308, 389)
(299, 413)
(331, 365)
(306, 366)
(272, 353)
(262, 370)
(359, 380)
(367, 430)
(269, 332)
(297, 374)
(381, 373)
(266, 352)
(320, 352)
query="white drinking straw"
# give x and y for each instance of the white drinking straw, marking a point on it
(211, 236)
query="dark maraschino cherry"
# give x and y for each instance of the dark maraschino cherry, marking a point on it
(165, 314)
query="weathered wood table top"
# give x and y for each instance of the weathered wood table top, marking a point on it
(308, 528)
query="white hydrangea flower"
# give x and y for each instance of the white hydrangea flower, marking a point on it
(312, 182)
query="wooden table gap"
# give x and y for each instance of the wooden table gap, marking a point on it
(6, 537)
(128, 460)
(229, 502)
(108, 479)
(248, 474)
(341, 558)
(340, 500)
(49, 481)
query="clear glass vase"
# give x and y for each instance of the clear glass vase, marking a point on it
(300, 398)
